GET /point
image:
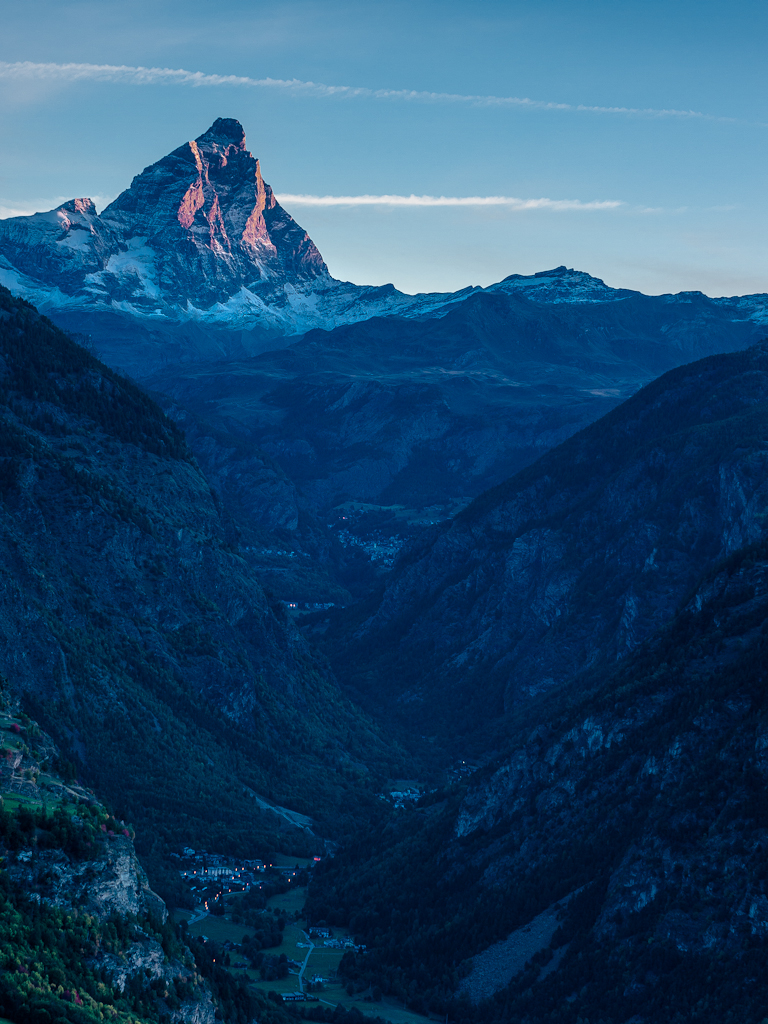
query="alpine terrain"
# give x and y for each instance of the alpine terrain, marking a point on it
(198, 240)
(366, 654)
(601, 654)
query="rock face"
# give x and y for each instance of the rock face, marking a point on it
(212, 222)
(617, 844)
(77, 865)
(193, 230)
(107, 885)
(113, 882)
(197, 238)
(574, 561)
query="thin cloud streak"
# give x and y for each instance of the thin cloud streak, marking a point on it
(413, 200)
(128, 75)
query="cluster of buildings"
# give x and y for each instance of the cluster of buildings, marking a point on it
(211, 875)
(329, 942)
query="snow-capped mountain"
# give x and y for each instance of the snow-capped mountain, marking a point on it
(198, 236)
(564, 285)
(198, 260)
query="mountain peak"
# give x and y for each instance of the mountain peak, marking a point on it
(562, 285)
(203, 221)
(226, 131)
(79, 206)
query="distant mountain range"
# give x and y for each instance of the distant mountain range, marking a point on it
(432, 410)
(300, 393)
(197, 259)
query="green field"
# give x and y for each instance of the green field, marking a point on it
(289, 984)
(394, 1012)
(11, 801)
(291, 901)
(323, 961)
(287, 860)
(220, 929)
(291, 936)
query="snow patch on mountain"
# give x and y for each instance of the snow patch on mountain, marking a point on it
(561, 285)
(199, 237)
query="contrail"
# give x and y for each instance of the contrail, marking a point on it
(128, 75)
(412, 200)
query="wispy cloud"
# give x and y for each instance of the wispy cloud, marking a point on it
(412, 200)
(128, 75)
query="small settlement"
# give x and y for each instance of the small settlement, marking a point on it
(212, 876)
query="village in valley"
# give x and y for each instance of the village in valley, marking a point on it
(252, 914)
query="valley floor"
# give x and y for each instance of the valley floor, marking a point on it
(309, 957)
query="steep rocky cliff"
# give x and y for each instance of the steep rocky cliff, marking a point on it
(192, 229)
(197, 240)
(574, 561)
(82, 934)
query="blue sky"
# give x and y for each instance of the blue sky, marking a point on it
(426, 103)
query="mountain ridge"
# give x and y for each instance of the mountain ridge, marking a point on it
(197, 259)
(576, 559)
(198, 237)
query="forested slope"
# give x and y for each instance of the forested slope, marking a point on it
(131, 628)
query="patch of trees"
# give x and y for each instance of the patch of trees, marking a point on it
(47, 966)
(74, 833)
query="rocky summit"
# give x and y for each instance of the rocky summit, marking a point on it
(198, 236)
(193, 230)
(214, 224)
